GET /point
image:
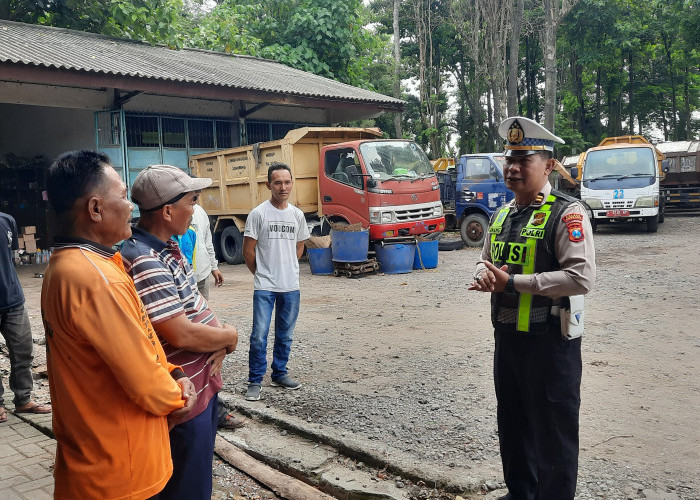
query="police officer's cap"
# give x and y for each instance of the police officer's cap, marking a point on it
(526, 137)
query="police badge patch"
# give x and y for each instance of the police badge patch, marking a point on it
(515, 133)
(575, 231)
(572, 218)
(574, 223)
(538, 218)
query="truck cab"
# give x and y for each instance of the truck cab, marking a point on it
(386, 185)
(620, 181)
(471, 192)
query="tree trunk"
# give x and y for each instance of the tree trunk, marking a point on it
(598, 89)
(686, 98)
(663, 120)
(550, 63)
(577, 89)
(397, 69)
(554, 12)
(630, 91)
(489, 117)
(423, 91)
(513, 58)
(476, 111)
(674, 111)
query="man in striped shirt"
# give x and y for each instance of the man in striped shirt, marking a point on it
(190, 333)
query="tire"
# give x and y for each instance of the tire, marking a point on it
(473, 230)
(216, 241)
(232, 245)
(449, 244)
(591, 218)
(662, 212)
(652, 224)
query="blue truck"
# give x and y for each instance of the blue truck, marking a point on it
(471, 191)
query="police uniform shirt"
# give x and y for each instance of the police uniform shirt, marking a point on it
(573, 249)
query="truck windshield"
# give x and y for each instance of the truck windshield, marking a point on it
(619, 163)
(395, 160)
(480, 168)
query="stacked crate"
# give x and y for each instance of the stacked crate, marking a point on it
(27, 239)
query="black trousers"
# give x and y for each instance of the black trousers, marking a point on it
(538, 388)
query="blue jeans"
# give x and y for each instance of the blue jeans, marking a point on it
(286, 306)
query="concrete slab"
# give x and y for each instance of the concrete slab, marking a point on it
(373, 453)
(280, 447)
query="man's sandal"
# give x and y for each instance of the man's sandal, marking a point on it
(231, 422)
(33, 407)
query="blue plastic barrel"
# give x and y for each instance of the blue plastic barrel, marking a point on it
(396, 258)
(350, 246)
(320, 260)
(427, 252)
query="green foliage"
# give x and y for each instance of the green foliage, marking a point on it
(324, 37)
(624, 65)
(153, 21)
(575, 143)
(634, 66)
(226, 29)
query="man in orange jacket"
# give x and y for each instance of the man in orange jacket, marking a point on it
(113, 390)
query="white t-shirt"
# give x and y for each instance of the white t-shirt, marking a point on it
(204, 257)
(277, 233)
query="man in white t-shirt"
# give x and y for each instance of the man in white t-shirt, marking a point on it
(204, 258)
(273, 242)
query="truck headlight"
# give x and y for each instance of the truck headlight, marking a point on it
(386, 217)
(468, 196)
(437, 211)
(375, 216)
(647, 202)
(593, 203)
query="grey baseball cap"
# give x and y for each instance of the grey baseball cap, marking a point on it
(156, 185)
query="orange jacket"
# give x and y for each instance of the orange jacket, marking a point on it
(110, 383)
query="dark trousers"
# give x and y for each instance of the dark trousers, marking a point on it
(14, 326)
(192, 449)
(538, 388)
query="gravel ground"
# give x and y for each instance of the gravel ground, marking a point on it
(406, 361)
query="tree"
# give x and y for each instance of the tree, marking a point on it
(397, 65)
(153, 21)
(513, 57)
(554, 12)
(226, 29)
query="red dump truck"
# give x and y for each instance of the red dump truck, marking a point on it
(341, 175)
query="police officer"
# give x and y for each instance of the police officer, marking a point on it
(538, 253)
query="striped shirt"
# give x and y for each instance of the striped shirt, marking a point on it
(165, 282)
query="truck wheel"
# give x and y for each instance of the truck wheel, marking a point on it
(232, 245)
(591, 217)
(216, 241)
(652, 224)
(662, 211)
(473, 230)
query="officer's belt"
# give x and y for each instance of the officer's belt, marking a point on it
(537, 314)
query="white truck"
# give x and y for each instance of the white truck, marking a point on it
(620, 181)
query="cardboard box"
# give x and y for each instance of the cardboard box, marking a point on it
(30, 246)
(28, 229)
(20, 243)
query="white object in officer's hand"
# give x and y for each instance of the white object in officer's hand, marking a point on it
(571, 316)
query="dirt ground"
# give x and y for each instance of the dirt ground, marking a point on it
(405, 361)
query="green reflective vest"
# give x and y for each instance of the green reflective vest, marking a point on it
(524, 240)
